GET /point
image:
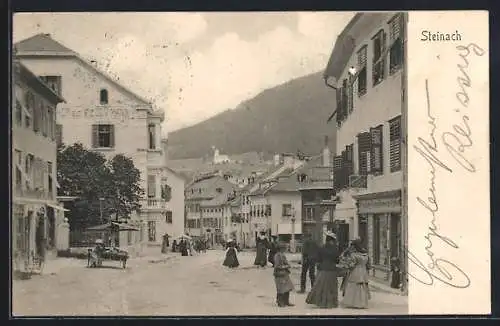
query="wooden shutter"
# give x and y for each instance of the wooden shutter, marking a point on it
(376, 156)
(364, 146)
(95, 136)
(339, 105)
(345, 98)
(395, 143)
(395, 28)
(362, 53)
(111, 136)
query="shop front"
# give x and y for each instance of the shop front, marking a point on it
(379, 222)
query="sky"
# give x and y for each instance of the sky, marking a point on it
(194, 65)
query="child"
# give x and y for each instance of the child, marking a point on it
(282, 277)
(231, 260)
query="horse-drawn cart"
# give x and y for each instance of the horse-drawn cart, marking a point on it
(95, 258)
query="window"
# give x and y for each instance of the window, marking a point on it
(362, 54)
(49, 173)
(166, 192)
(310, 214)
(151, 231)
(30, 107)
(377, 149)
(338, 179)
(379, 53)
(268, 210)
(349, 97)
(30, 158)
(152, 136)
(151, 186)
(395, 136)
(19, 113)
(38, 116)
(58, 134)
(54, 83)
(286, 210)
(18, 159)
(103, 96)
(364, 149)
(103, 136)
(396, 54)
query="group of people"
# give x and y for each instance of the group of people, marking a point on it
(353, 265)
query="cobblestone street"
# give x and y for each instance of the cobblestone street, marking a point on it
(196, 285)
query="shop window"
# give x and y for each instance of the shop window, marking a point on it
(380, 240)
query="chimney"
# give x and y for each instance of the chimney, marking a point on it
(326, 153)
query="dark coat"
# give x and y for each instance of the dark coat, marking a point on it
(273, 250)
(310, 251)
(282, 274)
(261, 257)
(231, 260)
(328, 257)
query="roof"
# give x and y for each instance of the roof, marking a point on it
(342, 51)
(177, 174)
(44, 45)
(207, 188)
(36, 83)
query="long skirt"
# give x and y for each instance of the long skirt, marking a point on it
(325, 292)
(261, 257)
(283, 284)
(356, 295)
(231, 260)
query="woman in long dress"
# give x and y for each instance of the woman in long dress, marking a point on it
(231, 260)
(357, 292)
(324, 293)
(282, 279)
(262, 245)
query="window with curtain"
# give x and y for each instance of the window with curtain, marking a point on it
(379, 53)
(362, 84)
(103, 136)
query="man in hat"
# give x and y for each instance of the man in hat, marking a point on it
(310, 251)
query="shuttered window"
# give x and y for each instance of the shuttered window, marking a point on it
(377, 165)
(337, 171)
(379, 53)
(362, 54)
(103, 136)
(364, 149)
(395, 144)
(151, 186)
(396, 56)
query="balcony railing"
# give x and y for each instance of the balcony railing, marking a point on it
(34, 193)
(153, 203)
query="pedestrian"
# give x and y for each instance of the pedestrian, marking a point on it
(183, 248)
(357, 292)
(395, 273)
(231, 260)
(282, 279)
(273, 249)
(174, 245)
(324, 293)
(262, 246)
(310, 251)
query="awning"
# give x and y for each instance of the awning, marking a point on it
(58, 207)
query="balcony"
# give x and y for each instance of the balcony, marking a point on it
(154, 204)
(39, 194)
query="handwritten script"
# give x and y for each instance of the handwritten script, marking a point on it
(457, 142)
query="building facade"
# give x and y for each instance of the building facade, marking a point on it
(365, 68)
(36, 214)
(105, 117)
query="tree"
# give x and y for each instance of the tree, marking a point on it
(102, 187)
(125, 179)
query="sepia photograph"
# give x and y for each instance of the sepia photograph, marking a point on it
(209, 163)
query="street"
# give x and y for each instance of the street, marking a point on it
(194, 285)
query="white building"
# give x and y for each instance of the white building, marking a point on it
(366, 69)
(106, 117)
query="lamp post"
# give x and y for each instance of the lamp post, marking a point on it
(292, 242)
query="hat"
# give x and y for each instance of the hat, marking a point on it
(99, 241)
(330, 234)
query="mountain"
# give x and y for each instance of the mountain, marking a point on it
(285, 118)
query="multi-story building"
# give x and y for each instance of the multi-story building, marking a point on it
(104, 116)
(205, 200)
(365, 68)
(36, 214)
